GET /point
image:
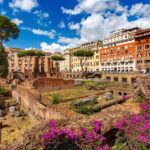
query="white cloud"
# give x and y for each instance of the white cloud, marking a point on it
(61, 25)
(17, 21)
(140, 10)
(41, 14)
(2, 12)
(97, 27)
(50, 34)
(94, 6)
(74, 26)
(25, 5)
(30, 48)
(41, 17)
(70, 41)
(104, 17)
(54, 47)
(1, 1)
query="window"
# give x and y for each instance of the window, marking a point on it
(97, 57)
(139, 47)
(12, 56)
(147, 61)
(12, 60)
(147, 46)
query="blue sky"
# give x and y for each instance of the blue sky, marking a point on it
(54, 25)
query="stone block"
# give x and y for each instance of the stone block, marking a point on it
(90, 99)
(11, 109)
(16, 113)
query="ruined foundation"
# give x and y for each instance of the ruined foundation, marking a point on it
(33, 103)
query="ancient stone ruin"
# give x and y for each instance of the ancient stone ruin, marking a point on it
(27, 88)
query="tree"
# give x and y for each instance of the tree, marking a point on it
(8, 29)
(3, 62)
(57, 58)
(24, 53)
(83, 55)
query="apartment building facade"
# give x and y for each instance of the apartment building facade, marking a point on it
(119, 51)
(26, 63)
(142, 42)
(66, 64)
(92, 63)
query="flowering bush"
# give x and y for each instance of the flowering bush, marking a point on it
(133, 134)
(135, 130)
(68, 139)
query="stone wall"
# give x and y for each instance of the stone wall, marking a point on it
(47, 84)
(129, 78)
(143, 85)
(3, 82)
(33, 104)
(121, 90)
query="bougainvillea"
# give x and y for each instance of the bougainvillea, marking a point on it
(136, 129)
(133, 134)
(69, 139)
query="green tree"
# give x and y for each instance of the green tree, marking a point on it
(3, 62)
(57, 58)
(37, 53)
(83, 55)
(8, 29)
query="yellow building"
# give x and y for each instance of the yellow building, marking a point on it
(66, 64)
(93, 63)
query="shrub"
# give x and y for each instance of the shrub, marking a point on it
(69, 139)
(56, 98)
(141, 98)
(135, 130)
(85, 110)
(3, 62)
(4, 92)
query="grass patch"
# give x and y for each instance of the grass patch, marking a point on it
(84, 108)
(141, 98)
(71, 94)
(4, 92)
(56, 98)
(99, 85)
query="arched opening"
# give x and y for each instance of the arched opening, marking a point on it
(112, 92)
(119, 93)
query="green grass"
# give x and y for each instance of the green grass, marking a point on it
(71, 94)
(4, 92)
(56, 98)
(101, 85)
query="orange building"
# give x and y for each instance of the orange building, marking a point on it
(142, 39)
(119, 52)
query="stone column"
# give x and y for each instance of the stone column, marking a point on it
(48, 72)
(42, 66)
(56, 70)
(52, 68)
(36, 67)
(0, 132)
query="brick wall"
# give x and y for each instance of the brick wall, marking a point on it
(47, 84)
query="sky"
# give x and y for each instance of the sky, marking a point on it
(54, 25)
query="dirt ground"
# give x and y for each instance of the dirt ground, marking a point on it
(14, 128)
